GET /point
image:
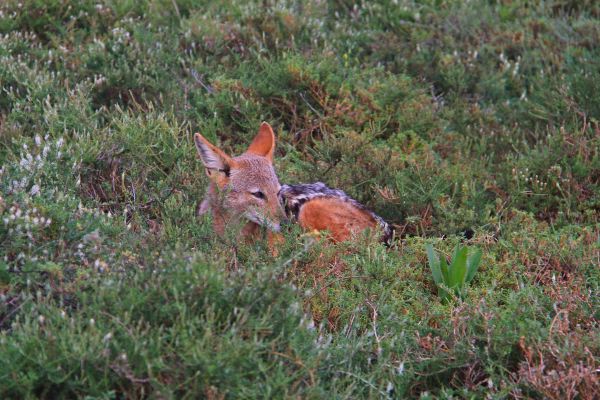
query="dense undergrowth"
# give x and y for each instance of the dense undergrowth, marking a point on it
(474, 122)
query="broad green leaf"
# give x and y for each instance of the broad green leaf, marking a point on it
(458, 269)
(454, 254)
(472, 264)
(434, 264)
(444, 268)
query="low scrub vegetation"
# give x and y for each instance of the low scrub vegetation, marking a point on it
(470, 124)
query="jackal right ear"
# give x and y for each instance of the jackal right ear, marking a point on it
(213, 158)
(263, 143)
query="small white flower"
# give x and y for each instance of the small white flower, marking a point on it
(523, 95)
(35, 190)
(92, 322)
(38, 140)
(400, 368)
(107, 337)
(390, 387)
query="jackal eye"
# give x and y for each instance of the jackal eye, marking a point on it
(258, 194)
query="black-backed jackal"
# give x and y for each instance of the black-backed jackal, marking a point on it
(245, 190)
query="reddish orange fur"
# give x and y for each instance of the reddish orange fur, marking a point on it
(341, 219)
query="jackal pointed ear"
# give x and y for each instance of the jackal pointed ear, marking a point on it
(263, 143)
(213, 158)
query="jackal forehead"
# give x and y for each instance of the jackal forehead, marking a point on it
(254, 172)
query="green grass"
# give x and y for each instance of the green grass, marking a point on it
(462, 124)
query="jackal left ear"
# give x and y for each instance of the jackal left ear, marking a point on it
(263, 143)
(212, 157)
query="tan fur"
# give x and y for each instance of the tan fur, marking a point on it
(340, 218)
(243, 190)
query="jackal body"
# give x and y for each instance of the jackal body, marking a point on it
(243, 190)
(318, 207)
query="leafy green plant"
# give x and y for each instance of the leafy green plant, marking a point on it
(453, 278)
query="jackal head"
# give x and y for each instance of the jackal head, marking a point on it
(245, 185)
